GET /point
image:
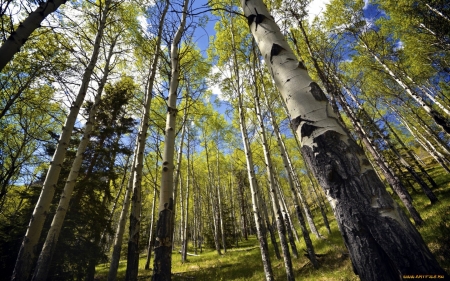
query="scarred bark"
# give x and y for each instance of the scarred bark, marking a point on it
(382, 242)
(164, 228)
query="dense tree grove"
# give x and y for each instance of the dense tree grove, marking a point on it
(164, 128)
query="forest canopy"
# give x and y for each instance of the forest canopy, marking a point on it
(137, 132)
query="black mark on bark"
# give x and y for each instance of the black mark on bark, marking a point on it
(307, 130)
(317, 92)
(301, 65)
(276, 50)
(258, 18)
(296, 122)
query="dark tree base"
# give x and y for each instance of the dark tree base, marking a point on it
(382, 242)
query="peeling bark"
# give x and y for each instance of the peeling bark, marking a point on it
(365, 212)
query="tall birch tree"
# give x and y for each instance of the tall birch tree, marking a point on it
(27, 250)
(164, 228)
(382, 242)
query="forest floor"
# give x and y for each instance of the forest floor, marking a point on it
(244, 261)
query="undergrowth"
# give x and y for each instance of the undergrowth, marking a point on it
(244, 262)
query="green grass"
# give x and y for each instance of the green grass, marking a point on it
(244, 262)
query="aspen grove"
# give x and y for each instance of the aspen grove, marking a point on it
(224, 140)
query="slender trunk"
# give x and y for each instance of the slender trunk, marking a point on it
(320, 202)
(186, 219)
(117, 245)
(219, 201)
(254, 190)
(287, 222)
(28, 248)
(18, 38)
(433, 135)
(242, 209)
(438, 118)
(178, 171)
(419, 180)
(232, 213)
(116, 200)
(164, 229)
(423, 141)
(196, 223)
(433, 199)
(45, 257)
(150, 236)
(181, 219)
(437, 12)
(304, 203)
(411, 156)
(363, 208)
(273, 194)
(215, 226)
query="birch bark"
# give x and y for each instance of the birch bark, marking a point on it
(118, 237)
(45, 257)
(365, 212)
(164, 229)
(27, 250)
(254, 190)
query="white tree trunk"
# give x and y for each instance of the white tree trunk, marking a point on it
(272, 191)
(364, 210)
(118, 237)
(164, 229)
(440, 120)
(254, 190)
(27, 250)
(45, 257)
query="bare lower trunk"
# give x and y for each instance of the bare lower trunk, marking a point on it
(287, 224)
(28, 248)
(382, 242)
(45, 257)
(117, 245)
(269, 226)
(219, 201)
(412, 157)
(214, 213)
(423, 142)
(320, 203)
(275, 205)
(150, 236)
(254, 189)
(164, 230)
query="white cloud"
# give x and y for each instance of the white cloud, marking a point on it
(398, 45)
(366, 4)
(143, 22)
(316, 8)
(214, 86)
